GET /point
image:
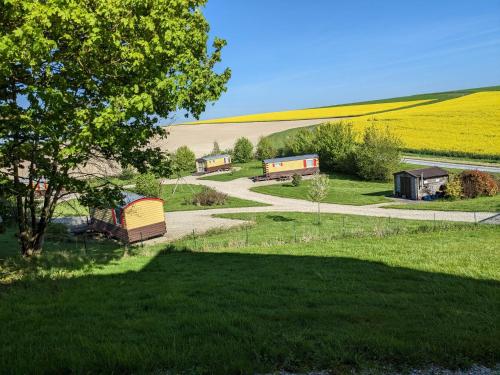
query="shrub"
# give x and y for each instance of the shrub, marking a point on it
(243, 150)
(302, 142)
(216, 149)
(336, 144)
(378, 157)
(296, 179)
(265, 149)
(453, 188)
(477, 184)
(127, 173)
(184, 159)
(318, 190)
(209, 197)
(148, 185)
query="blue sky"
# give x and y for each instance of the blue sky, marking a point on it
(288, 54)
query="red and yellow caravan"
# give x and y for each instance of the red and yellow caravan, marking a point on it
(287, 167)
(213, 163)
(139, 218)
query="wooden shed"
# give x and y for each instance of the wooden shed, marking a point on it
(288, 166)
(213, 163)
(419, 183)
(139, 218)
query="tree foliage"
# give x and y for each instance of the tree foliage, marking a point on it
(147, 184)
(335, 142)
(265, 149)
(84, 81)
(378, 156)
(302, 142)
(184, 159)
(478, 184)
(216, 149)
(318, 191)
(243, 150)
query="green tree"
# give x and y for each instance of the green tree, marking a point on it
(216, 149)
(184, 159)
(302, 142)
(93, 77)
(335, 143)
(378, 157)
(243, 150)
(318, 190)
(265, 149)
(147, 184)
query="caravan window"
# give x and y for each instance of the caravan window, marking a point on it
(309, 163)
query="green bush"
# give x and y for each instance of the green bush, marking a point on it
(453, 189)
(300, 143)
(296, 179)
(478, 184)
(378, 157)
(127, 173)
(335, 143)
(209, 197)
(184, 159)
(265, 149)
(148, 185)
(243, 150)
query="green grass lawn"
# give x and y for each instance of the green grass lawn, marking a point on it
(70, 208)
(180, 200)
(344, 189)
(250, 169)
(484, 204)
(411, 299)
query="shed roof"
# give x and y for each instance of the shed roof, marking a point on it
(290, 158)
(430, 172)
(212, 157)
(129, 197)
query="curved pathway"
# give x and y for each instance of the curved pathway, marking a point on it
(183, 223)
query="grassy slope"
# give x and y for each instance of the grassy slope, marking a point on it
(398, 301)
(481, 204)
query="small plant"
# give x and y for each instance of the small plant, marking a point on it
(296, 179)
(148, 185)
(318, 190)
(209, 197)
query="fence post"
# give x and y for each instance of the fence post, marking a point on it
(295, 232)
(434, 221)
(246, 235)
(142, 242)
(194, 239)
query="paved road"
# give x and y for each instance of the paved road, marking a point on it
(452, 165)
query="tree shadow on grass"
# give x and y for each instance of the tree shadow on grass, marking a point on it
(384, 193)
(246, 313)
(279, 218)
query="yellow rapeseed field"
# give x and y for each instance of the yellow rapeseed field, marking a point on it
(313, 113)
(468, 124)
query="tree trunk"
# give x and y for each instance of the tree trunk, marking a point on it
(319, 213)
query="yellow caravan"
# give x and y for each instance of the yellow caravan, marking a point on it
(288, 166)
(139, 218)
(213, 163)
